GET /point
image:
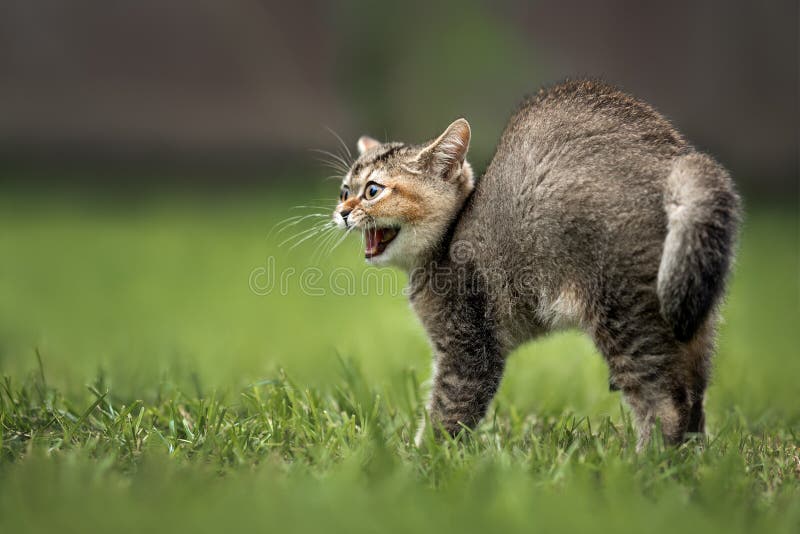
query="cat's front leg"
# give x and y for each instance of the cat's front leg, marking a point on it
(465, 379)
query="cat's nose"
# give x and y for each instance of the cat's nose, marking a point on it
(344, 214)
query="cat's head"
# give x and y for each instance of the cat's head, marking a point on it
(404, 197)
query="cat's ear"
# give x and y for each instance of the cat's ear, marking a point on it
(365, 142)
(446, 155)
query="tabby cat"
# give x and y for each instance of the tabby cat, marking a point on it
(594, 213)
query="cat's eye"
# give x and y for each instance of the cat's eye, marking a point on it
(372, 190)
(344, 194)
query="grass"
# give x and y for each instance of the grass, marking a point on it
(146, 386)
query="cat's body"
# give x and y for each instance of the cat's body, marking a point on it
(595, 214)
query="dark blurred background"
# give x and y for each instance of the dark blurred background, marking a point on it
(239, 91)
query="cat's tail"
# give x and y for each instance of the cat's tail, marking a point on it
(703, 216)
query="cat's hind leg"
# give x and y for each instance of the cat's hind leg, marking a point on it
(655, 373)
(662, 402)
(698, 353)
(673, 391)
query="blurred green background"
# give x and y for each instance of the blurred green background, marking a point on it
(176, 289)
(152, 153)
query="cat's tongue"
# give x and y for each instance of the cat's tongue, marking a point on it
(373, 238)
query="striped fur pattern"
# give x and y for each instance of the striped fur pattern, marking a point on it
(596, 214)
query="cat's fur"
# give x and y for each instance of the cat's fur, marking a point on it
(594, 213)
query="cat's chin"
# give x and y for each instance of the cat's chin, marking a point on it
(403, 249)
(382, 260)
(397, 254)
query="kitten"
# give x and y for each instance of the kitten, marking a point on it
(594, 213)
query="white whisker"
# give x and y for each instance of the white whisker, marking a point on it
(318, 230)
(341, 141)
(337, 162)
(312, 207)
(300, 220)
(342, 239)
(298, 234)
(327, 235)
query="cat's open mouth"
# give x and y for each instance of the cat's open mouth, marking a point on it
(376, 240)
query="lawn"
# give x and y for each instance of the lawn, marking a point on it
(153, 380)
